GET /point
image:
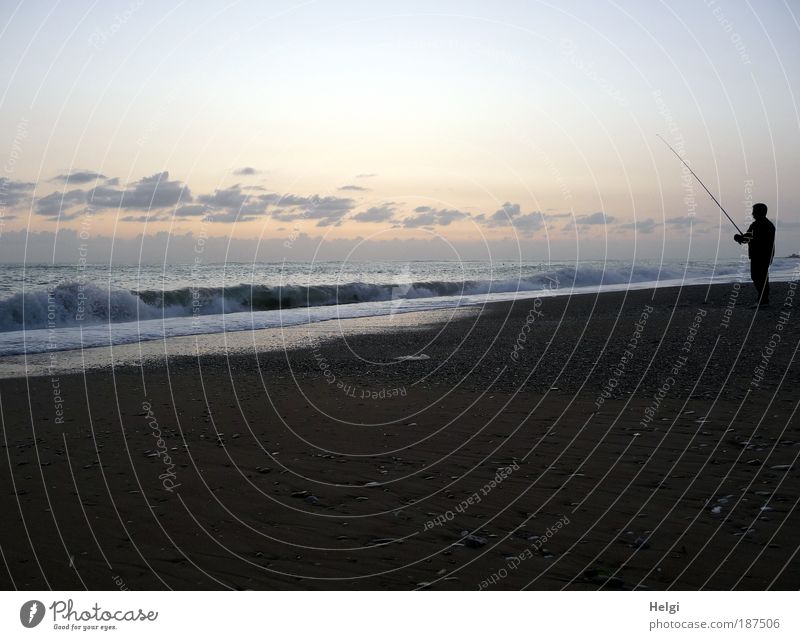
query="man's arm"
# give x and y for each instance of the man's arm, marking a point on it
(746, 237)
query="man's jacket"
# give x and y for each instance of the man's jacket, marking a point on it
(760, 238)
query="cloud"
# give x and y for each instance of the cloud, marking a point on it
(508, 210)
(366, 175)
(647, 225)
(326, 210)
(230, 198)
(501, 217)
(230, 205)
(352, 187)
(229, 216)
(153, 217)
(428, 217)
(245, 171)
(528, 222)
(594, 218)
(382, 213)
(329, 222)
(679, 221)
(191, 211)
(152, 192)
(56, 204)
(79, 177)
(12, 192)
(511, 215)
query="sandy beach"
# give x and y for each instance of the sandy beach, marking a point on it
(640, 440)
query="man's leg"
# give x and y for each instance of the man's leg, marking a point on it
(759, 273)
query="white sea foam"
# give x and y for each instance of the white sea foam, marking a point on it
(72, 315)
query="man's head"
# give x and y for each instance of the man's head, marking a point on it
(759, 210)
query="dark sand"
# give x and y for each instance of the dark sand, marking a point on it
(287, 481)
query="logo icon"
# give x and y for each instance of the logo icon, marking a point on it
(31, 613)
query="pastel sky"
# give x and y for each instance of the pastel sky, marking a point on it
(434, 126)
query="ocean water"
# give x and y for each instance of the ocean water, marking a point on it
(60, 307)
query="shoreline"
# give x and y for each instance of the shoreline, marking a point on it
(236, 342)
(334, 464)
(54, 338)
(152, 352)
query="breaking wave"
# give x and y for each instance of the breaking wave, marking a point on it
(74, 303)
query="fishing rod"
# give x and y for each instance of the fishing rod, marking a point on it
(701, 183)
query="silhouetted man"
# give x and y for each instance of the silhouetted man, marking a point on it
(760, 240)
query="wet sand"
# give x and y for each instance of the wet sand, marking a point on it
(619, 441)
